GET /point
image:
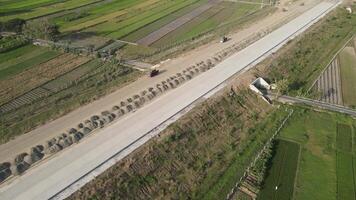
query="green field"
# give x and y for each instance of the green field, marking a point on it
(212, 19)
(348, 75)
(20, 59)
(28, 9)
(282, 173)
(325, 170)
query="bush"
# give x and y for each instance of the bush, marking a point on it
(41, 29)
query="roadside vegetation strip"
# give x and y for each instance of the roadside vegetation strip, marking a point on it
(217, 186)
(26, 64)
(348, 73)
(279, 183)
(316, 47)
(198, 144)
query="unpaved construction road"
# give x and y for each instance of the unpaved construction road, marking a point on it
(70, 166)
(40, 135)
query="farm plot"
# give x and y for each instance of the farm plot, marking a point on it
(51, 87)
(156, 35)
(344, 163)
(26, 9)
(326, 168)
(348, 75)
(38, 75)
(22, 58)
(96, 79)
(328, 84)
(210, 20)
(279, 183)
(123, 28)
(101, 14)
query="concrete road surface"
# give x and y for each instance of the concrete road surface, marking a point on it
(69, 166)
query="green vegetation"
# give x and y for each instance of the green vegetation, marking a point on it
(211, 20)
(344, 138)
(301, 65)
(282, 172)
(29, 9)
(40, 29)
(17, 60)
(348, 75)
(201, 156)
(10, 43)
(324, 169)
(344, 165)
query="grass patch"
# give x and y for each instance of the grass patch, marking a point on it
(348, 75)
(282, 172)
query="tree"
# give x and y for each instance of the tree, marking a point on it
(13, 25)
(41, 29)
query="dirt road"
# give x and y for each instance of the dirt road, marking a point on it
(40, 135)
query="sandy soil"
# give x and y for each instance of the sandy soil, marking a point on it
(170, 67)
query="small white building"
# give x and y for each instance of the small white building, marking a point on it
(260, 86)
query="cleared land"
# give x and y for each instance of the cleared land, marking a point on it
(282, 173)
(326, 169)
(348, 75)
(329, 84)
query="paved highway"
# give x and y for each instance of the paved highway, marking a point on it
(67, 167)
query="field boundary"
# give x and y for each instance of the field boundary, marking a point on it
(235, 188)
(332, 59)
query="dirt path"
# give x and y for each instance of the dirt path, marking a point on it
(170, 67)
